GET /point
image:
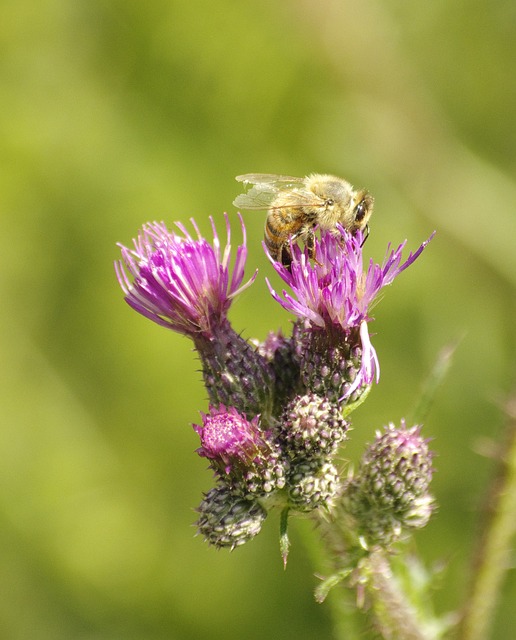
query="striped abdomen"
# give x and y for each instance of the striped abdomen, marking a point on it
(282, 225)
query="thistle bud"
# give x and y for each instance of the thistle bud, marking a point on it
(245, 458)
(312, 486)
(312, 428)
(227, 520)
(280, 353)
(390, 491)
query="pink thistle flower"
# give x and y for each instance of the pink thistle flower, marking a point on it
(335, 293)
(244, 456)
(230, 438)
(184, 283)
(180, 281)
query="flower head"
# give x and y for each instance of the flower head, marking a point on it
(390, 492)
(335, 290)
(230, 438)
(244, 457)
(180, 281)
(279, 352)
(312, 428)
(396, 468)
(228, 520)
(335, 294)
(312, 486)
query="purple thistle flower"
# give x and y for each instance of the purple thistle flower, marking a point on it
(179, 281)
(184, 283)
(229, 438)
(335, 293)
(246, 459)
(334, 290)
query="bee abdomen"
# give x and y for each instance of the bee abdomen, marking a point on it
(280, 226)
(273, 231)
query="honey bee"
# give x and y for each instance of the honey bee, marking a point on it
(296, 206)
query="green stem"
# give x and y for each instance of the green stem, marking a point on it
(369, 573)
(395, 617)
(492, 560)
(284, 539)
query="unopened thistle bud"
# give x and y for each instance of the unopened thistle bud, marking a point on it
(389, 493)
(228, 520)
(245, 458)
(312, 486)
(312, 428)
(280, 353)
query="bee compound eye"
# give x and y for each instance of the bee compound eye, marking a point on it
(360, 211)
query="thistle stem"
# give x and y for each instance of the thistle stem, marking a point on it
(395, 617)
(375, 584)
(284, 539)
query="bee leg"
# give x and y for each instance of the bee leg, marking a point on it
(286, 253)
(310, 245)
(286, 256)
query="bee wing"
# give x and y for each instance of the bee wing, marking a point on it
(269, 178)
(258, 197)
(265, 188)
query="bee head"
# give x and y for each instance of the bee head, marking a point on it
(340, 203)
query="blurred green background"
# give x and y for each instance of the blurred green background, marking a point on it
(116, 113)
